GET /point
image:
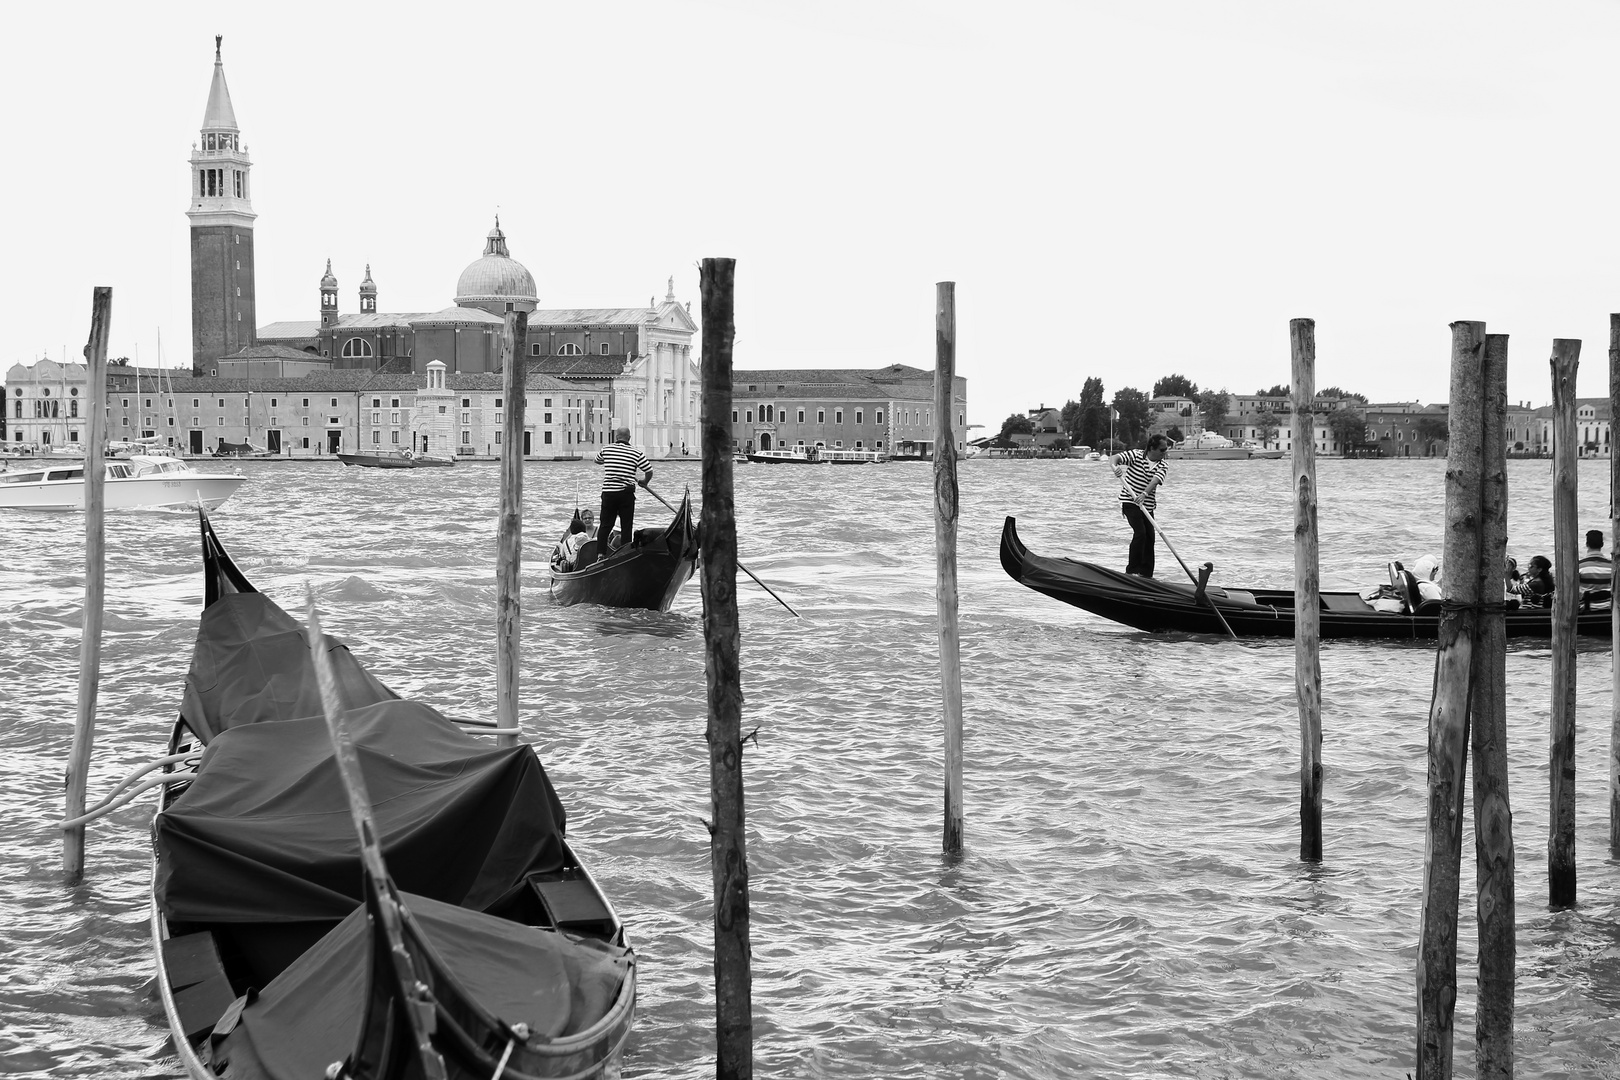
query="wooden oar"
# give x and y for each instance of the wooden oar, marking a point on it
(740, 566)
(1190, 575)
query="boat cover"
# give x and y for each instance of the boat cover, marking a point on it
(310, 1015)
(1072, 575)
(252, 663)
(263, 835)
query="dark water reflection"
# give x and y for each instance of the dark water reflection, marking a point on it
(1129, 903)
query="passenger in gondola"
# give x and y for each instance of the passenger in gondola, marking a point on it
(1142, 472)
(1595, 571)
(623, 467)
(1536, 586)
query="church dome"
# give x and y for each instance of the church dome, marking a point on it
(328, 281)
(497, 279)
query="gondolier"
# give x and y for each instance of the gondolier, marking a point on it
(1142, 472)
(623, 467)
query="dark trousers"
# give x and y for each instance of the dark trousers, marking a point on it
(619, 504)
(1141, 557)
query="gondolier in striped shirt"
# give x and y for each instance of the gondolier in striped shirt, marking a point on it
(623, 467)
(1142, 472)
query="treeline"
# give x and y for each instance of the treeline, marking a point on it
(1115, 424)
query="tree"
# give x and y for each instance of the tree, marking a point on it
(1132, 406)
(1093, 413)
(1349, 426)
(1431, 429)
(1214, 406)
(1014, 425)
(1175, 386)
(1175, 434)
(1344, 395)
(1265, 423)
(1069, 419)
(1279, 390)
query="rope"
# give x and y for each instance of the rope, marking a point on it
(505, 1057)
(105, 807)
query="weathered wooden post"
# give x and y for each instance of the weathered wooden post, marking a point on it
(1307, 590)
(1614, 608)
(945, 513)
(95, 582)
(728, 852)
(1493, 813)
(1448, 711)
(1566, 356)
(509, 532)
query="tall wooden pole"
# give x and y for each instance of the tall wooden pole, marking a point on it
(945, 514)
(95, 582)
(1307, 590)
(1493, 813)
(1614, 609)
(728, 852)
(1448, 711)
(509, 534)
(1566, 356)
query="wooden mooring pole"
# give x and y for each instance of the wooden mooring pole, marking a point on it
(728, 853)
(509, 533)
(1493, 813)
(1307, 589)
(1614, 609)
(1448, 711)
(1566, 357)
(946, 492)
(95, 582)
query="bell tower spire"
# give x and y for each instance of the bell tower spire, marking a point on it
(221, 213)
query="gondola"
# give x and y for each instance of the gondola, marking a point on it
(645, 574)
(399, 459)
(479, 946)
(1161, 603)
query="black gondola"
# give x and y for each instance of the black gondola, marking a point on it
(647, 573)
(1167, 604)
(484, 947)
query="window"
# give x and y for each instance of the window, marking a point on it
(466, 438)
(443, 409)
(604, 348)
(821, 416)
(838, 416)
(878, 444)
(195, 404)
(334, 403)
(857, 444)
(497, 403)
(801, 416)
(858, 415)
(548, 415)
(568, 348)
(750, 416)
(393, 437)
(272, 403)
(548, 437)
(376, 418)
(498, 421)
(733, 415)
(547, 402)
(767, 413)
(306, 424)
(376, 403)
(221, 422)
(306, 403)
(393, 403)
(376, 438)
(534, 349)
(466, 418)
(466, 403)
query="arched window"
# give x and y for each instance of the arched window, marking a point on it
(568, 348)
(356, 347)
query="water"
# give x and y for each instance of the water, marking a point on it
(1130, 901)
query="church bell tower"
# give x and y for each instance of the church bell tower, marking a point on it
(221, 213)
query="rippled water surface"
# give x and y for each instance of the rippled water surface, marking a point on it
(1130, 901)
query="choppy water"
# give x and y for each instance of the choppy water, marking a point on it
(1130, 902)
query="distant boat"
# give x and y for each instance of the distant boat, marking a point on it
(817, 455)
(399, 459)
(1208, 446)
(243, 450)
(136, 482)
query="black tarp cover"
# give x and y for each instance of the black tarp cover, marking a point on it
(310, 1015)
(264, 833)
(252, 663)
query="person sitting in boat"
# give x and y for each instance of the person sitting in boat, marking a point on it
(1142, 471)
(1595, 570)
(576, 540)
(1536, 586)
(623, 467)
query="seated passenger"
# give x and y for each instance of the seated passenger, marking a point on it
(1594, 571)
(1536, 585)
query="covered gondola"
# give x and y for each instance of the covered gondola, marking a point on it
(1159, 603)
(646, 573)
(464, 938)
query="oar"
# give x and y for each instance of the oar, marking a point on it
(1190, 576)
(740, 566)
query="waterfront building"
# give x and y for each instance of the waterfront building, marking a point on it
(889, 409)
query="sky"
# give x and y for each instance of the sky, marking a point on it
(1120, 191)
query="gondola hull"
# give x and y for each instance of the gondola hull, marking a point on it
(647, 574)
(1160, 604)
(265, 925)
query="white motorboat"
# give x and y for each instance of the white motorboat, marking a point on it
(132, 483)
(1208, 446)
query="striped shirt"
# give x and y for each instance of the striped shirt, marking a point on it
(621, 462)
(1139, 472)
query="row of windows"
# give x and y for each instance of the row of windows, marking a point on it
(769, 413)
(569, 348)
